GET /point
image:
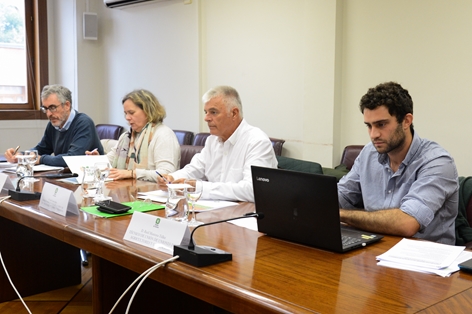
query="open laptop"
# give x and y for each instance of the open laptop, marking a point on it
(303, 208)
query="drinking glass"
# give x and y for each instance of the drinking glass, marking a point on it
(138, 202)
(176, 205)
(21, 166)
(103, 169)
(193, 192)
(90, 181)
(31, 157)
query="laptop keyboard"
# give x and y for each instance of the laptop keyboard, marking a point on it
(347, 240)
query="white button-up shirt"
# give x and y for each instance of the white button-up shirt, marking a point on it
(226, 166)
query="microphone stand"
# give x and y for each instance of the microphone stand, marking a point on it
(21, 196)
(206, 255)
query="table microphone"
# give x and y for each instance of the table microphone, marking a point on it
(19, 195)
(206, 255)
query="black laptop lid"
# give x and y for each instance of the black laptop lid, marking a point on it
(298, 207)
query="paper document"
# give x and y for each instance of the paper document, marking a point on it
(46, 168)
(421, 256)
(159, 196)
(7, 165)
(207, 205)
(443, 272)
(76, 163)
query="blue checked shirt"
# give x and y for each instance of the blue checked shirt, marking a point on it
(425, 187)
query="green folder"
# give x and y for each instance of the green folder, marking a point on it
(135, 206)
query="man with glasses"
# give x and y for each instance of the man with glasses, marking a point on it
(68, 132)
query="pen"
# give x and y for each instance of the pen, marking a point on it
(94, 150)
(16, 150)
(160, 175)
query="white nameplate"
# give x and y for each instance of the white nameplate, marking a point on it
(58, 200)
(5, 182)
(157, 233)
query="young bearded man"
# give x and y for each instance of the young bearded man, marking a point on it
(400, 184)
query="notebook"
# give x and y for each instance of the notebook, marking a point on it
(303, 208)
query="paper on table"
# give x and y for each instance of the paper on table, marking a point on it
(10, 167)
(200, 206)
(155, 196)
(421, 254)
(46, 168)
(178, 185)
(76, 163)
(161, 195)
(207, 205)
(444, 272)
(7, 165)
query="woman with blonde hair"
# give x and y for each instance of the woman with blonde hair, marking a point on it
(149, 145)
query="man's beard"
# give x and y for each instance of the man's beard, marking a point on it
(58, 122)
(396, 141)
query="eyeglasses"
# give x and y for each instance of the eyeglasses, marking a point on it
(51, 108)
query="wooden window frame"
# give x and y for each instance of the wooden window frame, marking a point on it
(37, 68)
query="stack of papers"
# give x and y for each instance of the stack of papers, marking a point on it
(425, 256)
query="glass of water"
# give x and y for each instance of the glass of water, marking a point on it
(103, 169)
(31, 157)
(193, 192)
(176, 205)
(22, 169)
(90, 181)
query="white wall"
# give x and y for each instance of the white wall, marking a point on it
(280, 56)
(301, 66)
(425, 46)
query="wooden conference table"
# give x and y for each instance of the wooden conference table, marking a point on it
(266, 275)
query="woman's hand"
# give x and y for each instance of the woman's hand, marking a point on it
(119, 174)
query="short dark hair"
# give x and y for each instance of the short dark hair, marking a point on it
(391, 95)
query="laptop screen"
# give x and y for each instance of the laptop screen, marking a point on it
(298, 207)
(303, 208)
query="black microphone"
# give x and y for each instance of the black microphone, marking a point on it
(19, 195)
(206, 255)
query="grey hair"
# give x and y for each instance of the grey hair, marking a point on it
(230, 97)
(62, 93)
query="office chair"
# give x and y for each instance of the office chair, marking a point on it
(187, 152)
(184, 137)
(277, 143)
(200, 139)
(109, 131)
(350, 154)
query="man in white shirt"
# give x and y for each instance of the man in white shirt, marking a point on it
(224, 164)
